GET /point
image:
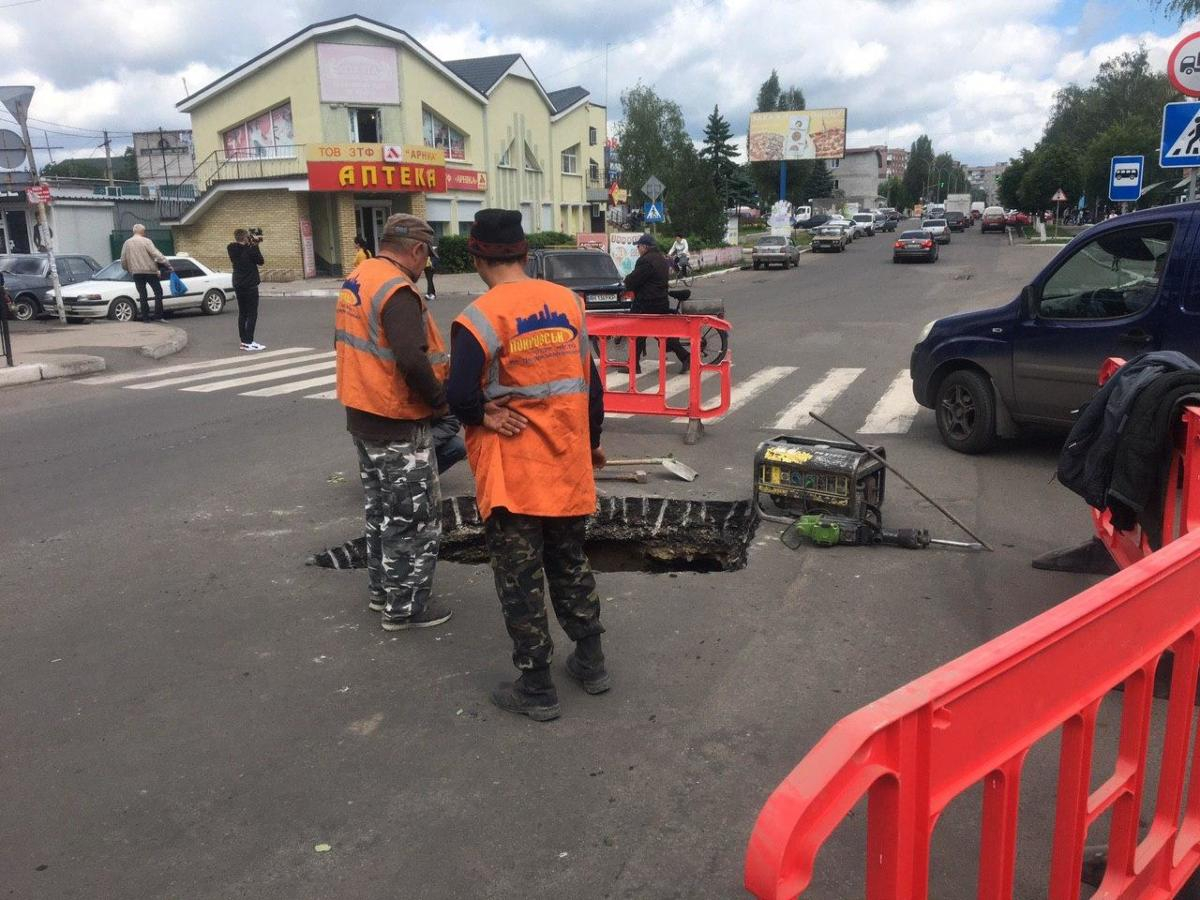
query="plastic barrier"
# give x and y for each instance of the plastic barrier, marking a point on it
(973, 722)
(1181, 511)
(603, 326)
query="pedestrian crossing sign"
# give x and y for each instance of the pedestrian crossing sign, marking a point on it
(653, 211)
(1180, 147)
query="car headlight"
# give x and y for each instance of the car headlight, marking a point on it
(925, 331)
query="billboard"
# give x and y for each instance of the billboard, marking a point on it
(797, 134)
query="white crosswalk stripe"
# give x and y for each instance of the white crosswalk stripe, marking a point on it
(895, 411)
(283, 372)
(817, 398)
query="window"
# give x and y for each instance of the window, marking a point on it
(1113, 276)
(439, 134)
(269, 134)
(570, 160)
(591, 137)
(593, 170)
(187, 269)
(531, 163)
(834, 163)
(364, 125)
(506, 157)
(835, 184)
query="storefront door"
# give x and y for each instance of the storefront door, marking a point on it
(16, 231)
(369, 222)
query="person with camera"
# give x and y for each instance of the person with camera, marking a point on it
(246, 257)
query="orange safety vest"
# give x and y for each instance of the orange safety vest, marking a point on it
(367, 378)
(534, 337)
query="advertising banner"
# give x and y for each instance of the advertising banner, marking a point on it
(357, 73)
(797, 134)
(414, 153)
(592, 241)
(465, 180)
(621, 247)
(384, 177)
(307, 253)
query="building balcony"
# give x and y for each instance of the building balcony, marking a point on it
(220, 166)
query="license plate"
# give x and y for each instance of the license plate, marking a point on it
(603, 298)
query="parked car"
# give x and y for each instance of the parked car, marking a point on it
(772, 250)
(865, 223)
(830, 237)
(1122, 287)
(589, 273)
(956, 221)
(851, 228)
(816, 220)
(110, 292)
(889, 224)
(1017, 218)
(915, 245)
(938, 229)
(993, 219)
(27, 278)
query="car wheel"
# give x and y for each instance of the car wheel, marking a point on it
(213, 302)
(966, 412)
(122, 310)
(25, 308)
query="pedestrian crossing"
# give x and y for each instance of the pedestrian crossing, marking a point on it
(310, 374)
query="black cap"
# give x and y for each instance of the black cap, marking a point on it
(646, 240)
(497, 234)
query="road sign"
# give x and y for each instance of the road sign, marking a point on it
(653, 211)
(1183, 65)
(653, 188)
(1059, 197)
(1180, 147)
(12, 149)
(1125, 178)
(39, 193)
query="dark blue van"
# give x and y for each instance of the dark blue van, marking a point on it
(1125, 286)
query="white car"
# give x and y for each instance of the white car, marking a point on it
(939, 229)
(111, 292)
(851, 228)
(865, 223)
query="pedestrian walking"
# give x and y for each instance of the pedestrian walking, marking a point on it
(361, 251)
(430, 293)
(649, 281)
(246, 256)
(391, 365)
(523, 383)
(141, 259)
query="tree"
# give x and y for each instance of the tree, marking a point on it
(742, 191)
(124, 167)
(1008, 185)
(719, 152)
(896, 193)
(773, 98)
(1050, 168)
(792, 98)
(920, 165)
(819, 183)
(654, 141)
(768, 94)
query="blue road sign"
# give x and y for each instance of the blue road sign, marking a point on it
(1125, 178)
(653, 212)
(1180, 135)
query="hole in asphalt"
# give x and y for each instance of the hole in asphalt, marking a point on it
(627, 534)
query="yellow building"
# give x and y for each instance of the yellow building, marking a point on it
(326, 134)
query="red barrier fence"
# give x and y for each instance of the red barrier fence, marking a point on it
(973, 722)
(1181, 511)
(688, 329)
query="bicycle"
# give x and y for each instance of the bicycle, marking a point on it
(714, 343)
(681, 269)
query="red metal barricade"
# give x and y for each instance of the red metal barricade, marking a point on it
(973, 722)
(1181, 511)
(629, 400)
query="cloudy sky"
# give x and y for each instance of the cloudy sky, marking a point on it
(978, 76)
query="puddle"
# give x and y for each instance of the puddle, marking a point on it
(627, 534)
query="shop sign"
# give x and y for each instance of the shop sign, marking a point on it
(414, 153)
(345, 152)
(465, 180)
(307, 253)
(596, 240)
(383, 177)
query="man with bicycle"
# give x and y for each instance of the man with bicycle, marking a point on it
(649, 282)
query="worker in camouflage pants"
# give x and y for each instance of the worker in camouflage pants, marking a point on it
(527, 550)
(403, 505)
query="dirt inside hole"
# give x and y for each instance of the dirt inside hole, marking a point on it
(626, 534)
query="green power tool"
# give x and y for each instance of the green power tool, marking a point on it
(829, 531)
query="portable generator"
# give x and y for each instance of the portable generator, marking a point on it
(805, 476)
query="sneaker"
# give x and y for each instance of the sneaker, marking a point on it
(255, 345)
(431, 297)
(377, 604)
(594, 678)
(433, 614)
(515, 697)
(246, 346)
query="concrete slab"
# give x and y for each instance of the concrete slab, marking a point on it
(40, 367)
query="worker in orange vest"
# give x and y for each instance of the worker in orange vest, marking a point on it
(523, 383)
(391, 369)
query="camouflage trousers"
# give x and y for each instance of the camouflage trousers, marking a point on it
(528, 552)
(403, 503)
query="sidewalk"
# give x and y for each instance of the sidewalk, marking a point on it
(36, 347)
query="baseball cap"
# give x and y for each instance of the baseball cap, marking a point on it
(404, 225)
(646, 240)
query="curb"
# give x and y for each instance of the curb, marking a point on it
(175, 341)
(27, 373)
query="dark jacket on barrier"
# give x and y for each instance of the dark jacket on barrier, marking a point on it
(649, 282)
(1085, 465)
(1143, 458)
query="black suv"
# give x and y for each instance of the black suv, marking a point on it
(590, 273)
(956, 221)
(27, 278)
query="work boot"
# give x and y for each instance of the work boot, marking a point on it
(586, 665)
(532, 695)
(433, 614)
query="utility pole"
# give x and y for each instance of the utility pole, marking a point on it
(16, 101)
(162, 148)
(49, 149)
(108, 173)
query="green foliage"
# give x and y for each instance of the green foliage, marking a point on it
(1181, 9)
(773, 98)
(1050, 168)
(719, 152)
(896, 193)
(124, 167)
(1008, 186)
(541, 239)
(920, 165)
(742, 191)
(819, 183)
(654, 141)
(768, 94)
(452, 254)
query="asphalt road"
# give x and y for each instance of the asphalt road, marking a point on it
(188, 711)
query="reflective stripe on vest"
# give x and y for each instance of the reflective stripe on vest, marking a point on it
(539, 391)
(365, 346)
(374, 320)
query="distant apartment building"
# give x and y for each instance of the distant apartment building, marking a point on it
(164, 157)
(895, 163)
(987, 178)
